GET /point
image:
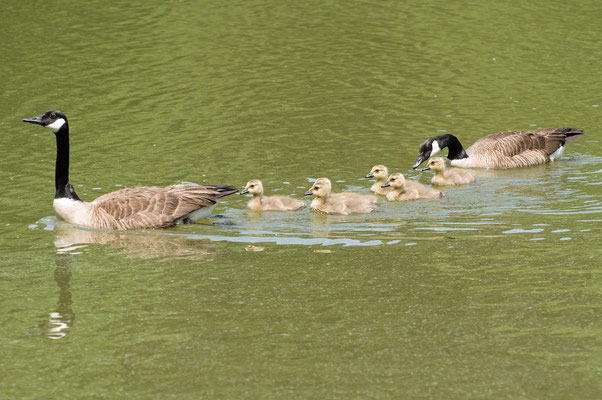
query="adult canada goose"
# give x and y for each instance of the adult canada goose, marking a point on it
(447, 177)
(380, 173)
(131, 208)
(271, 203)
(403, 192)
(511, 149)
(338, 203)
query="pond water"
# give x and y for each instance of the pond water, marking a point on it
(492, 291)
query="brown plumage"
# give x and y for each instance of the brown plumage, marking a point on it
(271, 203)
(404, 190)
(447, 177)
(380, 173)
(510, 149)
(338, 203)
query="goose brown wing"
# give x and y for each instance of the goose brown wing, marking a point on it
(151, 207)
(512, 143)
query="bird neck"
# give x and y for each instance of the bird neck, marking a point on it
(61, 172)
(456, 151)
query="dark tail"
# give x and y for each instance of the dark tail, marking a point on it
(570, 133)
(223, 190)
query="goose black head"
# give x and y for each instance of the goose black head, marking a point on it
(427, 149)
(53, 120)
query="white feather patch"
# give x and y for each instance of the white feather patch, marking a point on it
(56, 125)
(435, 148)
(201, 213)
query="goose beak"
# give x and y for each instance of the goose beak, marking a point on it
(370, 175)
(308, 193)
(426, 168)
(244, 191)
(34, 120)
(419, 160)
(386, 184)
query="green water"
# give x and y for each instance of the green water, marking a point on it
(491, 292)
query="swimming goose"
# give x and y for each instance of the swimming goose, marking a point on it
(511, 149)
(131, 208)
(380, 173)
(447, 177)
(271, 203)
(403, 192)
(338, 203)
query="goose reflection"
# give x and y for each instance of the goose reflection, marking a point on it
(56, 324)
(72, 239)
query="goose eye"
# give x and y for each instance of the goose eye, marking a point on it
(316, 187)
(52, 115)
(251, 187)
(377, 170)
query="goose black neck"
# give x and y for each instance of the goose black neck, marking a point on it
(456, 151)
(61, 172)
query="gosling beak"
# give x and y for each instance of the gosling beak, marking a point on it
(308, 193)
(244, 191)
(34, 120)
(370, 175)
(384, 185)
(426, 168)
(419, 160)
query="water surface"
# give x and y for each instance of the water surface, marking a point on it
(490, 292)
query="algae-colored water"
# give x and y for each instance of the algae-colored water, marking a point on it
(491, 292)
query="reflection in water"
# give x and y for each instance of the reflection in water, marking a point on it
(56, 324)
(146, 245)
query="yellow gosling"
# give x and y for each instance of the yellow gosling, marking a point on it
(408, 190)
(338, 203)
(271, 203)
(380, 173)
(447, 177)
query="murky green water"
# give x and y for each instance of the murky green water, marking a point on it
(491, 292)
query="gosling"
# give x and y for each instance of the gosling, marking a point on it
(380, 173)
(403, 192)
(271, 203)
(338, 203)
(447, 177)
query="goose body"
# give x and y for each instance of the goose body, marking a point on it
(338, 203)
(130, 208)
(380, 173)
(403, 190)
(447, 177)
(501, 150)
(270, 203)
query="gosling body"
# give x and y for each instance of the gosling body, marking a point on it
(338, 203)
(270, 203)
(502, 150)
(403, 190)
(448, 177)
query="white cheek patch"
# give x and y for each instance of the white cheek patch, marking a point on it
(435, 148)
(56, 125)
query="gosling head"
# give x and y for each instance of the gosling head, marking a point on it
(320, 188)
(254, 187)
(396, 181)
(379, 172)
(53, 120)
(436, 164)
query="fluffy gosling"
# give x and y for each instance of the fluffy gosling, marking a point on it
(271, 203)
(403, 190)
(380, 173)
(447, 177)
(338, 203)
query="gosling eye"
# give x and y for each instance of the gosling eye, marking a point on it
(316, 187)
(377, 170)
(251, 187)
